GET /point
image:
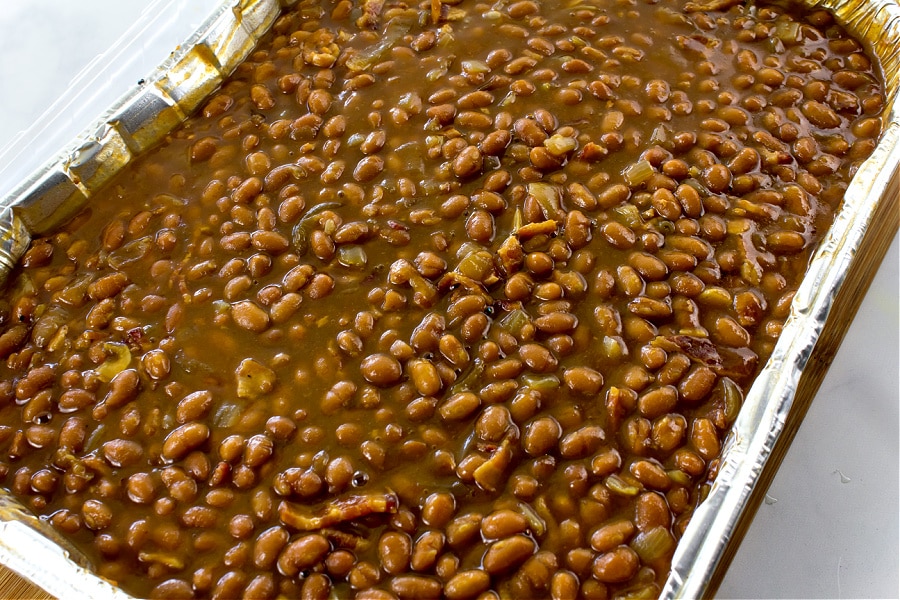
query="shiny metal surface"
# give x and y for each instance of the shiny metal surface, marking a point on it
(139, 119)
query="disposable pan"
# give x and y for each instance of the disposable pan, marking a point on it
(843, 264)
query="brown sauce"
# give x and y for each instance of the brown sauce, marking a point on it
(451, 299)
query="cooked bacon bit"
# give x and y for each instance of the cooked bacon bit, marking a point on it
(737, 363)
(510, 255)
(529, 230)
(435, 11)
(711, 5)
(301, 518)
(345, 539)
(370, 14)
(453, 279)
(697, 348)
(489, 475)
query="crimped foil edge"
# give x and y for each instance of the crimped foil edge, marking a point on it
(770, 399)
(141, 119)
(60, 188)
(137, 121)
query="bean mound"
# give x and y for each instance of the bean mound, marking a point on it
(443, 299)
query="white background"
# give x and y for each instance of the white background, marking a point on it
(829, 527)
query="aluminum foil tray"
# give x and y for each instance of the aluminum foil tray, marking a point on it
(822, 308)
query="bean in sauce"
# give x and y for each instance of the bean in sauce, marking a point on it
(450, 298)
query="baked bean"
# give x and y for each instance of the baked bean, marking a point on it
(268, 547)
(426, 550)
(658, 401)
(415, 586)
(73, 434)
(495, 143)
(122, 453)
(96, 515)
(75, 399)
(703, 438)
(425, 377)
(650, 474)
(381, 369)
(193, 407)
(508, 553)
(616, 565)
(37, 379)
(467, 584)
(583, 380)
(537, 358)
(610, 536)
(183, 439)
(502, 524)
(123, 388)
(394, 550)
(487, 261)
(249, 316)
(302, 553)
(582, 442)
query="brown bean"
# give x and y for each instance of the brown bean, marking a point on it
(75, 399)
(183, 439)
(538, 358)
(258, 450)
(697, 383)
(463, 529)
(668, 432)
(269, 241)
(34, 381)
(394, 549)
(581, 442)
(650, 474)
(194, 406)
(541, 436)
(502, 524)
(156, 364)
(467, 584)
(73, 434)
(476, 99)
(610, 536)
(381, 369)
(616, 565)
(107, 286)
(564, 586)
(122, 453)
(704, 439)
(96, 514)
(583, 380)
(200, 517)
(495, 143)
(413, 587)
(302, 553)
(506, 554)
(820, 114)
(613, 196)
(468, 162)
(426, 550)
(618, 235)
(658, 401)
(438, 509)
(268, 547)
(248, 315)
(367, 168)
(425, 377)
(651, 511)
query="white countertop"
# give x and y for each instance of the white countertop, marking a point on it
(829, 526)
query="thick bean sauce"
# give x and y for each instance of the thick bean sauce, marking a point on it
(458, 298)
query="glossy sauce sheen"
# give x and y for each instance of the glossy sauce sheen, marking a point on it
(432, 300)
